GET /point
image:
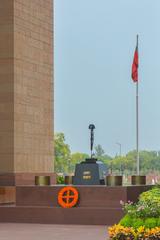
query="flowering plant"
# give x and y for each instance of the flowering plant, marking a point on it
(142, 219)
(118, 232)
(148, 205)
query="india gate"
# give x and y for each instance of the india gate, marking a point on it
(26, 133)
(26, 91)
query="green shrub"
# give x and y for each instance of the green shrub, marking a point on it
(137, 222)
(60, 179)
(151, 222)
(126, 221)
(150, 195)
(149, 202)
(158, 222)
(146, 212)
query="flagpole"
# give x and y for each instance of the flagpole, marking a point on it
(137, 127)
(137, 123)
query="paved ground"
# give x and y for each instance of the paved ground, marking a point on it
(14, 231)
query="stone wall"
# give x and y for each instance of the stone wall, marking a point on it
(26, 86)
(6, 87)
(33, 63)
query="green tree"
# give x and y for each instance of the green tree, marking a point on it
(149, 161)
(99, 152)
(62, 153)
(65, 161)
(77, 158)
(131, 162)
(102, 156)
(117, 163)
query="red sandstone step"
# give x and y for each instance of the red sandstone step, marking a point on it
(98, 205)
(7, 195)
(57, 215)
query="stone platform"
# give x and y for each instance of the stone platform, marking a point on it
(98, 205)
(19, 231)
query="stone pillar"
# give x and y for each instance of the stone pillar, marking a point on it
(26, 90)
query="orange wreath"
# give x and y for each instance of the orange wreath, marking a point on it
(68, 197)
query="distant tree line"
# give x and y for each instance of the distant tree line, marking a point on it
(65, 161)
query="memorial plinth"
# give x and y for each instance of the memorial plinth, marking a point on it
(98, 205)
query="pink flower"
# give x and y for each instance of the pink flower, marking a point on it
(129, 202)
(121, 202)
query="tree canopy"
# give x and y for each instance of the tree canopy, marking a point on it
(65, 161)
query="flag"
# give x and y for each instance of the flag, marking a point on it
(135, 64)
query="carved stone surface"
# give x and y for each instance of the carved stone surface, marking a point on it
(26, 87)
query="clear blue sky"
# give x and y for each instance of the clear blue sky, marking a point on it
(94, 45)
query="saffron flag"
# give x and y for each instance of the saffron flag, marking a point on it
(135, 65)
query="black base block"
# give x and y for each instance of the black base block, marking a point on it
(90, 172)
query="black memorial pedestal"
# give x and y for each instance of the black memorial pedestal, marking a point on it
(90, 172)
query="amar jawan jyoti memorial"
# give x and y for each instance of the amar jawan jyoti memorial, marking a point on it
(26, 130)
